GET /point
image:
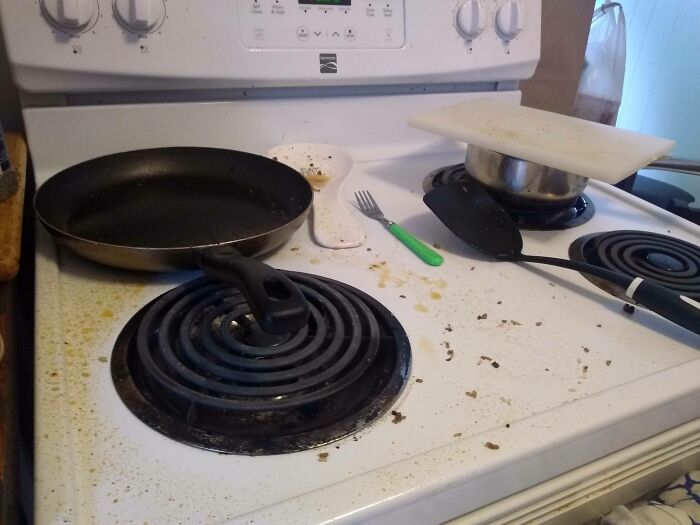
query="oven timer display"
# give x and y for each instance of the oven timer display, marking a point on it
(325, 2)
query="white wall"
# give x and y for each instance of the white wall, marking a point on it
(662, 78)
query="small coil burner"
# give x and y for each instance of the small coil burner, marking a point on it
(195, 366)
(580, 212)
(671, 262)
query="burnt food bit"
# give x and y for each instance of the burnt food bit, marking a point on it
(495, 364)
(608, 362)
(491, 446)
(323, 457)
(628, 309)
(398, 417)
(419, 380)
(448, 328)
(482, 316)
(471, 393)
(450, 355)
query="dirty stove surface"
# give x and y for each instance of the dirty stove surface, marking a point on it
(518, 373)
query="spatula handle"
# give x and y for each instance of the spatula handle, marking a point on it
(417, 246)
(680, 309)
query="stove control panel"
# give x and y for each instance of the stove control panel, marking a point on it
(88, 46)
(321, 24)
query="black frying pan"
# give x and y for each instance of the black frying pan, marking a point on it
(177, 208)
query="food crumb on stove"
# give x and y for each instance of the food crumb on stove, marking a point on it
(102, 359)
(546, 369)
(538, 323)
(402, 296)
(294, 249)
(369, 249)
(552, 284)
(484, 358)
(504, 321)
(448, 328)
(482, 316)
(499, 302)
(471, 269)
(457, 434)
(450, 355)
(274, 158)
(437, 246)
(398, 417)
(586, 349)
(507, 425)
(435, 296)
(598, 325)
(608, 362)
(323, 457)
(491, 446)
(471, 393)
(515, 323)
(585, 369)
(315, 261)
(506, 401)
(421, 308)
(495, 364)
(628, 308)
(419, 380)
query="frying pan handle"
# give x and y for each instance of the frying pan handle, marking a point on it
(277, 304)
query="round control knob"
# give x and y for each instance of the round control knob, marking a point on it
(71, 16)
(470, 18)
(139, 16)
(510, 19)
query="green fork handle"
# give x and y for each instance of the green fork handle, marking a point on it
(417, 246)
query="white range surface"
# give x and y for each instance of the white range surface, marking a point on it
(578, 377)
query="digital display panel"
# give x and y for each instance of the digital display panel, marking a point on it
(326, 2)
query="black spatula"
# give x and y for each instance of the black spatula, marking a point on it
(478, 220)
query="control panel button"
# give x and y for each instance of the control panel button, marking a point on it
(350, 33)
(71, 16)
(510, 19)
(471, 20)
(302, 33)
(139, 16)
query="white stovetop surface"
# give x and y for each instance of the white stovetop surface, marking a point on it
(578, 378)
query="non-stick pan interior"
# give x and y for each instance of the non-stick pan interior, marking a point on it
(173, 197)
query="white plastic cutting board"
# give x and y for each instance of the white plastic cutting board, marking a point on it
(570, 144)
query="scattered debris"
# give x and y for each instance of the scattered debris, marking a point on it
(294, 249)
(538, 323)
(552, 285)
(628, 309)
(402, 296)
(471, 393)
(450, 355)
(323, 457)
(484, 358)
(102, 359)
(586, 349)
(599, 325)
(608, 362)
(506, 401)
(482, 316)
(398, 417)
(499, 302)
(457, 434)
(546, 369)
(419, 380)
(585, 369)
(471, 269)
(495, 364)
(504, 321)
(437, 246)
(515, 323)
(507, 425)
(369, 249)
(491, 446)
(448, 328)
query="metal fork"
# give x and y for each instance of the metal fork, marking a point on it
(368, 206)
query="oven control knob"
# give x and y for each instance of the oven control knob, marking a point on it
(71, 16)
(139, 16)
(510, 19)
(470, 17)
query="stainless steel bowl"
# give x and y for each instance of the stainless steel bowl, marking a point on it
(527, 185)
(521, 183)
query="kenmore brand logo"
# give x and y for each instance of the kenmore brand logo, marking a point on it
(329, 62)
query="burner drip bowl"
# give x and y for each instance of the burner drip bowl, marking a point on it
(526, 217)
(194, 365)
(670, 262)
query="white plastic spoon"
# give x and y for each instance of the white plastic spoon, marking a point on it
(327, 168)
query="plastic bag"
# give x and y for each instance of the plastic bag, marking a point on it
(600, 88)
